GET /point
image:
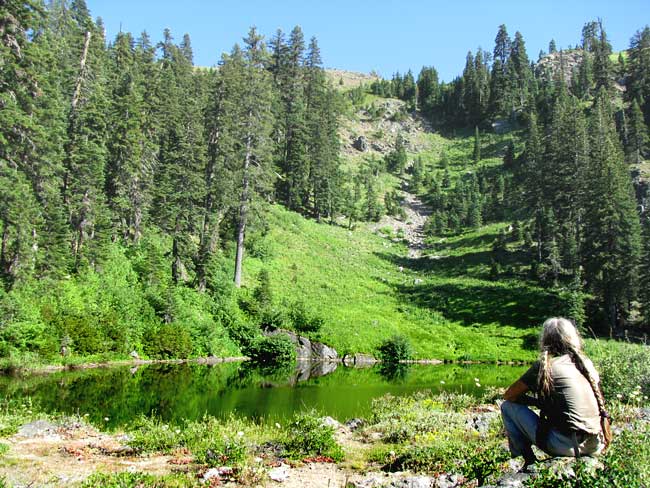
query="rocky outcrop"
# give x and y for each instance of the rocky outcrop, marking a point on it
(306, 349)
(360, 144)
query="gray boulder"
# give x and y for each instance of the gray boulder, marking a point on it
(360, 144)
(38, 428)
(321, 351)
(414, 482)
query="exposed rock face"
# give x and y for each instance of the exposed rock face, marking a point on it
(360, 144)
(567, 61)
(306, 349)
(321, 351)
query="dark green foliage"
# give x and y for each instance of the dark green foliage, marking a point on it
(302, 319)
(271, 350)
(262, 293)
(644, 271)
(638, 82)
(310, 437)
(637, 136)
(168, 341)
(612, 230)
(395, 349)
(396, 159)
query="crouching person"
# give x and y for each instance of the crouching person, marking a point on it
(573, 420)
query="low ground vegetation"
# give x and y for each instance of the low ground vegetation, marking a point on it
(426, 434)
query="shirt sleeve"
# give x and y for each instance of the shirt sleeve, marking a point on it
(530, 376)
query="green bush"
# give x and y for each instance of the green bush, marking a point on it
(243, 334)
(150, 434)
(308, 436)
(395, 349)
(400, 419)
(272, 350)
(624, 370)
(168, 341)
(303, 320)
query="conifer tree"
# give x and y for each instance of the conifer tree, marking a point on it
(428, 90)
(637, 135)
(477, 145)
(519, 66)
(249, 102)
(638, 81)
(85, 148)
(603, 69)
(130, 150)
(179, 187)
(611, 244)
(644, 271)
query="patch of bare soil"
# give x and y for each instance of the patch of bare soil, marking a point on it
(61, 456)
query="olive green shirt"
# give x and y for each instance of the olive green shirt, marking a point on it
(572, 405)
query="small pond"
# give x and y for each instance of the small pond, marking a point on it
(188, 391)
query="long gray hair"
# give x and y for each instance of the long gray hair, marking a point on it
(559, 336)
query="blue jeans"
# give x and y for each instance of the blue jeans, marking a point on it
(521, 427)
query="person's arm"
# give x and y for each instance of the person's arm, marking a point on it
(517, 393)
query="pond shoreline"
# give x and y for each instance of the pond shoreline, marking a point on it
(55, 368)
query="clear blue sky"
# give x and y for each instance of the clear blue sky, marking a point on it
(384, 35)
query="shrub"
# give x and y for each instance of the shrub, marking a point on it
(272, 350)
(624, 370)
(303, 320)
(168, 341)
(400, 419)
(243, 334)
(308, 436)
(154, 435)
(395, 349)
(262, 293)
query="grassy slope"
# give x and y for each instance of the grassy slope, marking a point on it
(447, 305)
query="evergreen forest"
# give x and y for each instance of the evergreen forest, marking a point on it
(151, 205)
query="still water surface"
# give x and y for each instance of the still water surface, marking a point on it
(189, 391)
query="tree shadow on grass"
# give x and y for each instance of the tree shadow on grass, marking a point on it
(471, 303)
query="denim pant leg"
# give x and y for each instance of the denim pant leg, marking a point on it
(521, 426)
(559, 444)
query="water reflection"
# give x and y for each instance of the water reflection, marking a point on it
(188, 391)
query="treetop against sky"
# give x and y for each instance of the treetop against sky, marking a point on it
(381, 35)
